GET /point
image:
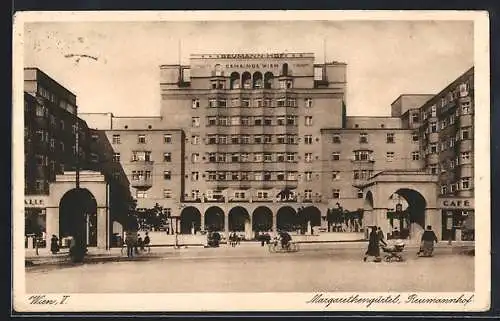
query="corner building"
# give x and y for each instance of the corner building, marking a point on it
(257, 142)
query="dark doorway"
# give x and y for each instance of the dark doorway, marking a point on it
(287, 219)
(262, 219)
(190, 220)
(214, 219)
(78, 216)
(238, 218)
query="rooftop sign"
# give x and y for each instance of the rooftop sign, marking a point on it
(255, 56)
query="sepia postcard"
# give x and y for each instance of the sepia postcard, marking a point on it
(251, 161)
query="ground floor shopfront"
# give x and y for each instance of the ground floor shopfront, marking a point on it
(69, 212)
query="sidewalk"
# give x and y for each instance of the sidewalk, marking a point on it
(95, 255)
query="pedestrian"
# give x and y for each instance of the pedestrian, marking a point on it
(380, 235)
(130, 243)
(139, 245)
(147, 241)
(373, 245)
(427, 243)
(54, 244)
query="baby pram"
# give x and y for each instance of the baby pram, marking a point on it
(393, 252)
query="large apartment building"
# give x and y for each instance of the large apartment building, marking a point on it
(250, 142)
(52, 156)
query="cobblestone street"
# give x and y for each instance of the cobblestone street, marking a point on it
(315, 267)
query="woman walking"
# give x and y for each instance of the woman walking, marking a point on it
(373, 245)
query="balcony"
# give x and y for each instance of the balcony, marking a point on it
(142, 183)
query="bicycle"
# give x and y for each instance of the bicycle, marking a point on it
(275, 247)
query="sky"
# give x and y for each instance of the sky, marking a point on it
(384, 58)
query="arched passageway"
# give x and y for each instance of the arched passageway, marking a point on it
(309, 218)
(257, 80)
(239, 219)
(262, 219)
(78, 216)
(287, 219)
(407, 220)
(214, 219)
(190, 220)
(246, 80)
(268, 80)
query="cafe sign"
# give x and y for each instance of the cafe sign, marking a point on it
(35, 201)
(456, 203)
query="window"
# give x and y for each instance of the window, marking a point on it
(415, 118)
(257, 102)
(235, 139)
(52, 143)
(465, 108)
(415, 156)
(280, 176)
(360, 194)
(257, 139)
(167, 157)
(212, 139)
(167, 193)
(195, 140)
(195, 158)
(40, 111)
(141, 139)
(137, 175)
(389, 156)
(308, 157)
(195, 176)
(444, 189)
(336, 156)
(452, 142)
(291, 139)
(336, 193)
(433, 127)
(212, 176)
(268, 102)
(167, 175)
(280, 157)
(290, 157)
(262, 195)
(281, 102)
(116, 139)
(281, 139)
(267, 176)
(452, 119)
(433, 148)
(195, 122)
(245, 121)
(245, 103)
(444, 123)
(257, 176)
(465, 182)
(308, 120)
(335, 175)
(235, 121)
(212, 121)
(141, 156)
(268, 121)
(167, 139)
(239, 195)
(433, 169)
(268, 139)
(268, 157)
(307, 194)
(361, 155)
(212, 157)
(223, 121)
(414, 137)
(116, 157)
(465, 133)
(280, 121)
(308, 139)
(363, 138)
(212, 103)
(308, 176)
(390, 138)
(221, 176)
(141, 194)
(257, 121)
(465, 156)
(453, 188)
(290, 176)
(291, 120)
(336, 139)
(308, 102)
(221, 158)
(195, 103)
(245, 139)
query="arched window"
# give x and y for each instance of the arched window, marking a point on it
(246, 79)
(284, 70)
(218, 70)
(235, 80)
(257, 80)
(268, 80)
